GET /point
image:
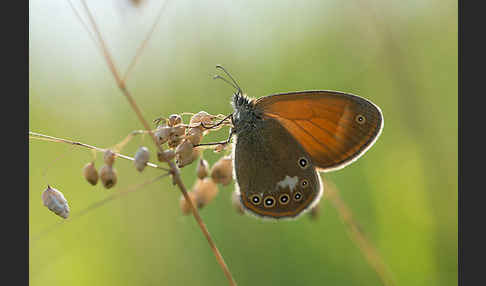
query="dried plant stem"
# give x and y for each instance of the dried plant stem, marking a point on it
(118, 147)
(80, 19)
(38, 136)
(173, 168)
(96, 205)
(354, 230)
(104, 47)
(145, 41)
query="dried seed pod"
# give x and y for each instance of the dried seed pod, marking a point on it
(201, 116)
(108, 176)
(235, 201)
(184, 205)
(90, 173)
(109, 157)
(205, 189)
(194, 135)
(184, 149)
(54, 200)
(178, 130)
(166, 155)
(202, 169)
(174, 119)
(188, 160)
(222, 171)
(141, 158)
(186, 154)
(162, 134)
(174, 141)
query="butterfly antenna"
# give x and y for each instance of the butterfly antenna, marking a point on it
(235, 84)
(227, 81)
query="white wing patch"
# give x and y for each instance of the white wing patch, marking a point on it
(289, 182)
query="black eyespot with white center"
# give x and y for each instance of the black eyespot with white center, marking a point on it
(255, 199)
(297, 196)
(269, 201)
(360, 119)
(303, 162)
(284, 199)
(304, 183)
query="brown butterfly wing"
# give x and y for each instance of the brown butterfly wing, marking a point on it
(271, 166)
(334, 128)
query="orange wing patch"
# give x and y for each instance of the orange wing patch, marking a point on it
(334, 128)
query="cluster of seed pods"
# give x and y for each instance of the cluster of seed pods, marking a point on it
(54, 200)
(107, 174)
(205, 188)
(182, 141)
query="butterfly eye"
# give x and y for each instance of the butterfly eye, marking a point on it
(269, 201)
(255, 199)
(297, 196)
(360, 119)
(303, 162)
(284, 199)
(304, 183)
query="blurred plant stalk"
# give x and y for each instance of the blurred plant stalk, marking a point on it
(357, 235)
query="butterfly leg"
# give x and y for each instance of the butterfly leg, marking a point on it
(223, 121)
(227, 141)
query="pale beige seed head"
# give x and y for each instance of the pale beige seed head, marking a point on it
(184, 150)
(54, 200)
(109, 157)
(194, 134)
(90, 173)
(166, 155)
(202, 169)
(235, 201)
(141, 158)
(184, 205)
(174, 119)
(201, 117)
(205, 189)
(186, 153)
(188, 160)
(178, 130)
(222, 171)
(162, 134)
(174, 141)
(108, 176)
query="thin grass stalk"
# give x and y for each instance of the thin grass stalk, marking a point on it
(173, 168)
(357, 236)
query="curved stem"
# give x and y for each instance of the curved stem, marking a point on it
(173, 168)
(358, 237)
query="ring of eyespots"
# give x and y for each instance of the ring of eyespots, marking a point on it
(255, 199)
(304, 183)
(284, 199)
(269, 201)
(360, 119)
(297, 196)
(303, 163)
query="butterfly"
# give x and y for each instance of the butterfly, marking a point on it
(284, 140)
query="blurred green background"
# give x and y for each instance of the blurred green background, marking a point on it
(402, 55)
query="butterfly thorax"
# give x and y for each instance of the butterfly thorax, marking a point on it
(246, 116)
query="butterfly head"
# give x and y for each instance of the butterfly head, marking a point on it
(245, 116)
